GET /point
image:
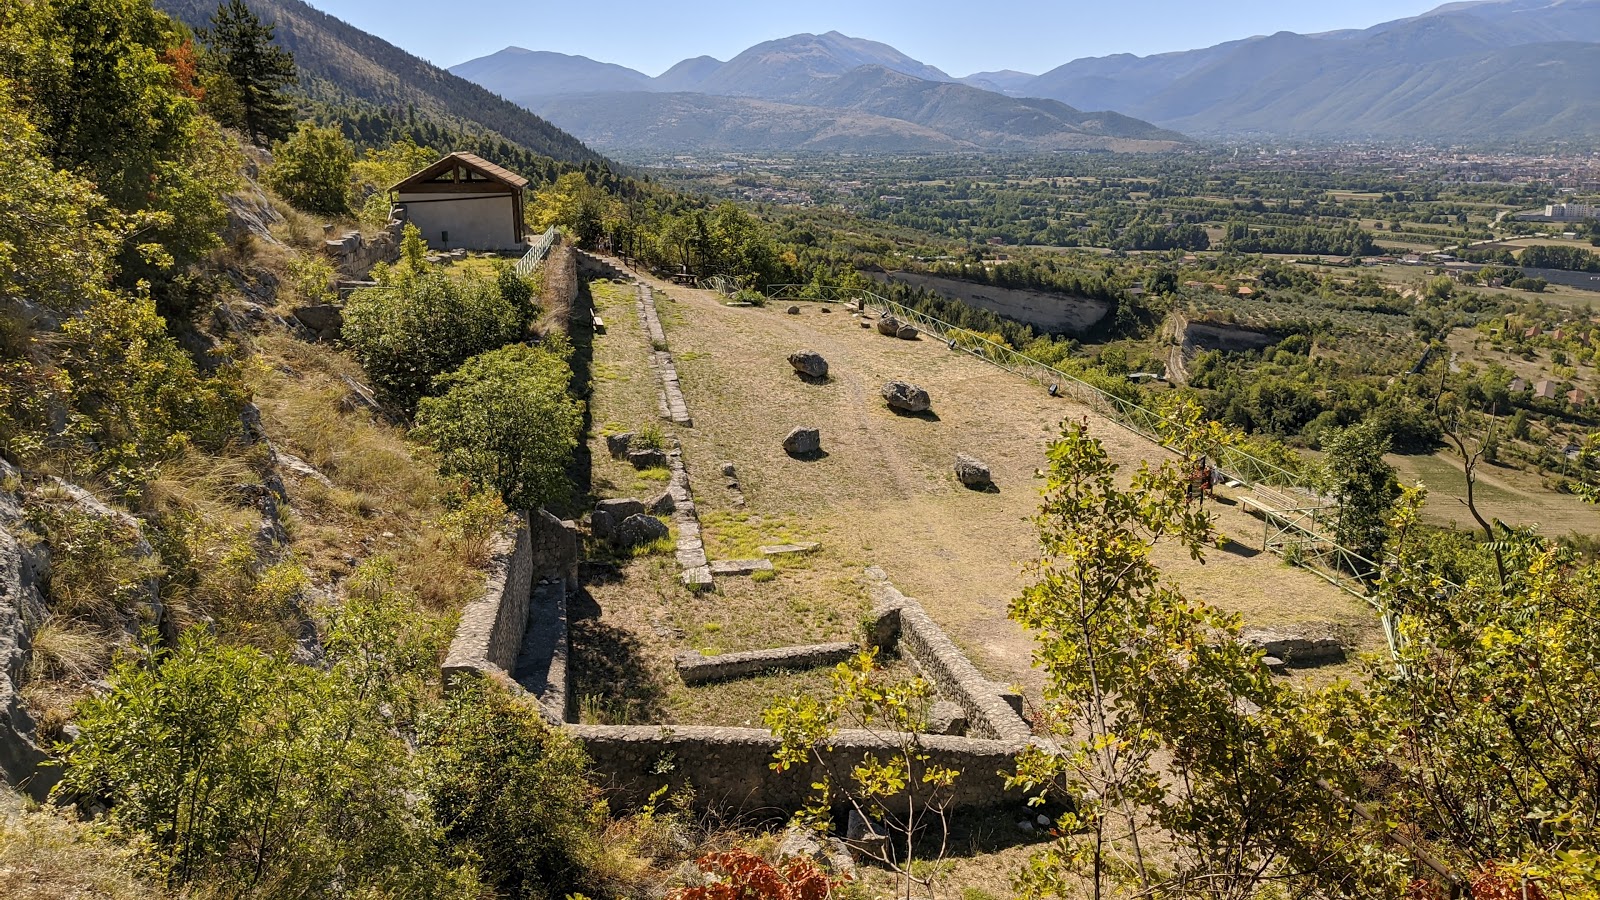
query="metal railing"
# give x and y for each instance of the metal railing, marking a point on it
(537, 253)
(722, 284)
(1296, 517)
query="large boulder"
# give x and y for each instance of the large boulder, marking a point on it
(889, 325)
(906, 332)
(972, 472)
(809, 363)
(647, 458)
(803, 442)
(618, 445)
(638, 530)
(620, 508)
(906, 397)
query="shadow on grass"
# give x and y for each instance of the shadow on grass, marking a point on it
(611, 676)
(813, 456)
(926, 415)
(1241, 550)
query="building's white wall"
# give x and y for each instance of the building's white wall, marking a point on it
(473, 222)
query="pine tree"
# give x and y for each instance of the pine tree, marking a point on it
(257, 70)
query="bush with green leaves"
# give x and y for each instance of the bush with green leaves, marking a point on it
(242, 769)
(512, 792)
(312, 169)
(420, 325)
(506, 421)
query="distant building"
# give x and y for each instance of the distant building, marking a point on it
(1517, 385)
(1546, 390)
(1571, 212)
(1577, 396)
(464, 202)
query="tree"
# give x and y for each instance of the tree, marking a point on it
(311, 169)
(1355, 475)
(1169, 731)
(257, 71)
(505, 421)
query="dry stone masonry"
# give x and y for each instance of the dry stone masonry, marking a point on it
(695, 668)
(673, 407)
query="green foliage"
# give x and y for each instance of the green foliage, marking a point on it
(417, 326)
(379, 169)
(98, 574)
(1353, 472)
(137, 397)
(904, 793)
(505, 421)
(311, 169)
(242, 769)
(311, 277)
(511, 792)
(1166, 723)
(257, 71)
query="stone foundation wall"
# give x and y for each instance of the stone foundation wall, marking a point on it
(696, 669)
(901, 621)
(353, 254)
(489, 636)
(729, 768)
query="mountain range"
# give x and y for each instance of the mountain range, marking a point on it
(1492, 70)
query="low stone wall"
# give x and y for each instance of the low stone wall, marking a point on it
(902, 622)
(694, 668)
(592, 266)
(542, 666)
(489, 635)
(730, 768)
(353, 254)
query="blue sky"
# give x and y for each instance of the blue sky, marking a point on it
(958, 37)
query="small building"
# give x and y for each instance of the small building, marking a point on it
(1577, 396)
(464, 202)
(1546, 390)
(1517, 385)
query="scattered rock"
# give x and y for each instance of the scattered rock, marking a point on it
(1025, 826)
(1297, 645)
(647, 458)
(741, 566)
(1043, 820)
(728, 470)
(803, 442)
(973, 472)
(618, 444)
(325, 320)
(947, 718)
(787, 549)
(826, 310)
(889, 325)
(359, 397)
(620, 508)
(906, 332)
(809, 363)
(662, 504)
(602, 524)
(828, 852)
(865, 324)
(637, 530)
(793, 310)
(906, 397)
(860, 832)
(301, 469)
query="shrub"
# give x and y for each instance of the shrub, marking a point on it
(511, 792)
(311, 169)
(504, 420)
(422, 325)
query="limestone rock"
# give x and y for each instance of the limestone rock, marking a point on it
(602, 524)
(1296, 645)
(618, 444)
(906, 332)
(793, 310)
(860, 832)
(973, 472)
(889, 325)
(647, 458)
(809, 363)
(828, 852)
(906, 397)
(728, 469)
(620, 508)
(802, 442)
(662, 504)
(325, 320)
(640, 529)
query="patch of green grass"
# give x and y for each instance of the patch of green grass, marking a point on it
(763, 576)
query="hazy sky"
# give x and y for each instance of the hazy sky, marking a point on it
(958, 37)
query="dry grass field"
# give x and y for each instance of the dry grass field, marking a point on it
(883, 493)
